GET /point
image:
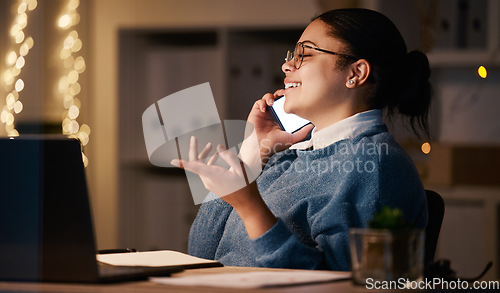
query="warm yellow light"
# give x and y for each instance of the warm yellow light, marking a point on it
(22, 8)
(65, 53)
(22, 20)
(16, 71)
(24, 49)
(482, 71)
(75, 18)
(18, 107)
(73, 127)
(14, 30)
(10, 101)
(69, 42)
(75, 89)
(73, 4)
(426, 148)
(13, 133)
(63, 84)
(83, 137)
(11, 58)
(3, 116)
(64, 21)
(85, 160)
(8, 77)
(73, 34)
(32, 5)
(77, 46)
(20, 37)
(11, 97)
(20, 62)
(73, 112)
(19, 86)
(80, 64)
(9, 119)
(72, 76)
(68, 101)
(29, 42)
(15, 94)
(9, 127)
(85, 128)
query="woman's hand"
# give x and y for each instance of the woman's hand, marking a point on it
(230, 185)
(270, 136)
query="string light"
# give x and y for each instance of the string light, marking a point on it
(426, 148)
(68, 85)
(483, 73)
(15, 61)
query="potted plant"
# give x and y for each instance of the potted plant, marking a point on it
(388, 250)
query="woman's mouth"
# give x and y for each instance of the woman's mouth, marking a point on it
(292, 85)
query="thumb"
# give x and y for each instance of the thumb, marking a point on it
(302, 133)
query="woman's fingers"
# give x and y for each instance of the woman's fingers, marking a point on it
(212, 159)
(193, 149)
(267, 100)
(279, 93)
(230, 158)
(205, 151)
(302, 133)
(196, 167)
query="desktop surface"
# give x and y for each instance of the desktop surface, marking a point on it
(344, 286)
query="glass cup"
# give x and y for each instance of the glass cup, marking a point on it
(381, 255)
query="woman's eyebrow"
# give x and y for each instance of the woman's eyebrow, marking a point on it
(310, 42)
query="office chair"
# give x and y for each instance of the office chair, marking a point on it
(435, 205)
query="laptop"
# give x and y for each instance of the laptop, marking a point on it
(46, 230)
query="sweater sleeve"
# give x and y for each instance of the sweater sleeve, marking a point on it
(208, 227)
(280, 247)
(329, 210)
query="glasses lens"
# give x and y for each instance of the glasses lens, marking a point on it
(299, 55)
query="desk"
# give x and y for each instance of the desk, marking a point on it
(150, 287)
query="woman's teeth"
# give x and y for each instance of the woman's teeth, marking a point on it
(293, 84)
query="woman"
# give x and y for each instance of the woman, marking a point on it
(347, 67)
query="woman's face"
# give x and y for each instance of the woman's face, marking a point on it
(322, 87)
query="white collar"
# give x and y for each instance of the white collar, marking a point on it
(347, 128)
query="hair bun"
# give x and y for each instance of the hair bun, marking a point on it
(418, 63)
(415, 97)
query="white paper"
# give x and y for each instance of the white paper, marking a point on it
(254, 279)
(160, 258)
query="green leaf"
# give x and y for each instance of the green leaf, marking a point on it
(391, 219)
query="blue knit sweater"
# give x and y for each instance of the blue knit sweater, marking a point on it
(317, 196)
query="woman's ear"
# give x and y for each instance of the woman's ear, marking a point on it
(358, 73)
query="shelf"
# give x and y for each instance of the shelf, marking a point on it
(465, 58)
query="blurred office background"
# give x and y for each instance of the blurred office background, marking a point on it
(90, 68)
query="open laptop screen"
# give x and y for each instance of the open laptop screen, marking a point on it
(46, 230)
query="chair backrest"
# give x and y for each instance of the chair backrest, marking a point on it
(435, 206)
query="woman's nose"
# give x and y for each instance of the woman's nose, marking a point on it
(287, 66)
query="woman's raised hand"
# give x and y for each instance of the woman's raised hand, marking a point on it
(230, 185)
(271, 137)
(219, 180)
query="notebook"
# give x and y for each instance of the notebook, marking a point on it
(46, 230)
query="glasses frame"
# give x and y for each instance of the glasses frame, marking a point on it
(291, 54)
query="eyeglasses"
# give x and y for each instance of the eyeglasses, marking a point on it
(297, 55)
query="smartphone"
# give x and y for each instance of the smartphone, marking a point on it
(288, 122)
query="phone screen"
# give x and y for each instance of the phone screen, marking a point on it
(288, 122)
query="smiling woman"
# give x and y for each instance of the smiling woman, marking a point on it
(347, 67)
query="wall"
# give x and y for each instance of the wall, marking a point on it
(107, 17)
